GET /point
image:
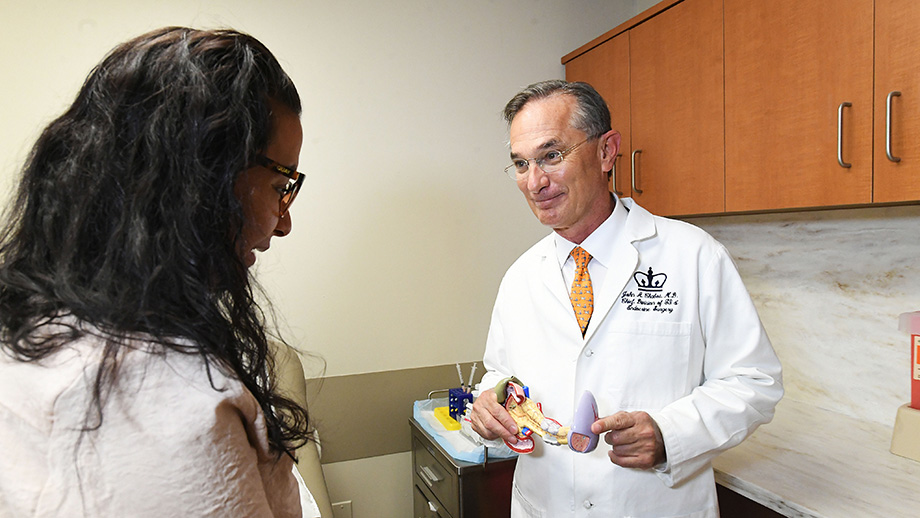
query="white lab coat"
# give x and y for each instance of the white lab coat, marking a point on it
(694, 355)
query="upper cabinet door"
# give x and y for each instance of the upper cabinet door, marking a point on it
(897, 86)
(606, 68)
(675, 72)
(798, 103)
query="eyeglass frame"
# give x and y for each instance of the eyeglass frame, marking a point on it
(292, 188)
(511, 170)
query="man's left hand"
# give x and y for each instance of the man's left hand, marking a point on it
(634, 437)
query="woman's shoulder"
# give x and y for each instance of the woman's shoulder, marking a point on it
(180, 430)
(150, 371)
(29, 390)
(143, 379)
(167, 395)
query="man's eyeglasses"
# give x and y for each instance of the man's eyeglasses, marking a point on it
(295, 180)
(549, 163)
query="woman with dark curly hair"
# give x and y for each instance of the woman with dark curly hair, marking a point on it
(136, 375)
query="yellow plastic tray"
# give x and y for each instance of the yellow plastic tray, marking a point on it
(443, 416)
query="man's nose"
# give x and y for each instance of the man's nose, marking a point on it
(536, 178)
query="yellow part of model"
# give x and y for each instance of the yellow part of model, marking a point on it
(528, 414)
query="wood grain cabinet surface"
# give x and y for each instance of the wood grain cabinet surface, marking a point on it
(607, 69)
(897, 70)
(740, 106)
(789, 66)
(669, 110)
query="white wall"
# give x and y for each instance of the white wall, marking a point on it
(641, 5)
(377, 487)
(406, 221)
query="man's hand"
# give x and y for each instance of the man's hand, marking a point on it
(634, 437)
(491, 420)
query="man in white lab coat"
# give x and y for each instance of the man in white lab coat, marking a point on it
(673, 349)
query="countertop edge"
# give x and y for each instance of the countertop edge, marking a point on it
(764, 497)
(814, 462)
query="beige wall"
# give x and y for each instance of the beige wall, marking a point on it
(378, 487)
(406, 222)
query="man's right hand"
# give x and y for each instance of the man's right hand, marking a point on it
(491, 420)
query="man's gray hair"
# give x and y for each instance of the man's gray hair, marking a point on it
(591, 114)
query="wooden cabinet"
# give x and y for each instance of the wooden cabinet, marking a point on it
(444, 487)
(677, 109)
(789, 66)
(783, 93)
(674, 131)
(897, 69)
(607, 69)
(801, 104)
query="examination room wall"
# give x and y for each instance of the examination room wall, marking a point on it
(406, 222)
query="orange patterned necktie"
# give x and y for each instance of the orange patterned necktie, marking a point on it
(582, 295)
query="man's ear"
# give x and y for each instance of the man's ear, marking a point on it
(610, 146)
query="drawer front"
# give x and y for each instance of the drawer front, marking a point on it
(426, 506)
(443, 483)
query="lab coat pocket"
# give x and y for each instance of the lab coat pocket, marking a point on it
(521, 507)
(648, 363)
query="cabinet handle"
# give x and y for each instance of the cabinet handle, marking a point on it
(840, 135)
(428, 476)
(633, 162)
(888, 126)
(614, 172)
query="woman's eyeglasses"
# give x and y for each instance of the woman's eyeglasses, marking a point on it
(295, 180)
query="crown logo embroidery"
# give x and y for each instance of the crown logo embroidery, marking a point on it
(650, 281)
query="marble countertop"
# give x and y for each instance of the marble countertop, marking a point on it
(810, 462)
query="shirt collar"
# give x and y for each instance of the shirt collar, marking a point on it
(599, 242)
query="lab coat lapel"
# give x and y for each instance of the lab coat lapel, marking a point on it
(552, 275)
(639, 226)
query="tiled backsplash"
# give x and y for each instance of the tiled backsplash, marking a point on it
(829, 286)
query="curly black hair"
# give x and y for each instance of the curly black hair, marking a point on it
(126, 217)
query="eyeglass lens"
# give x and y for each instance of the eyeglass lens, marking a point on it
(550, 162)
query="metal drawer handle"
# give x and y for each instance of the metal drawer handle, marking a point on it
(888, 126)
(429, 476)
(633, 161)
(614, 172)
(840, 135)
